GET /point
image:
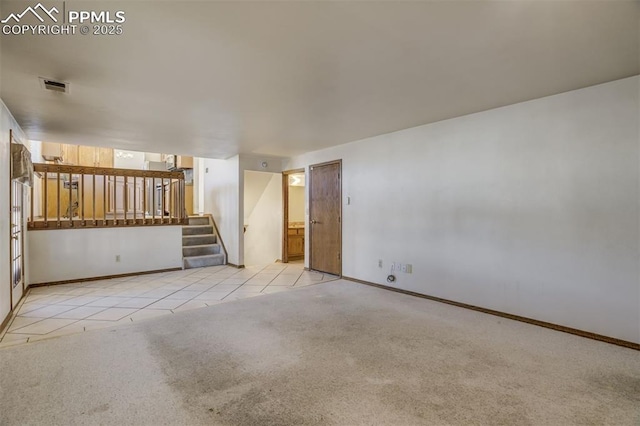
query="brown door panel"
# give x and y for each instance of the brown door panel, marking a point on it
(325, 218)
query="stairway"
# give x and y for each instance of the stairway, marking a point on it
(200, 245)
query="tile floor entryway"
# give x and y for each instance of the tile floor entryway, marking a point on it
(74, 308)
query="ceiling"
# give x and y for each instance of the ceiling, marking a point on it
(215, 79)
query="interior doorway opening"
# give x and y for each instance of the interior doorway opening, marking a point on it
(262, 218)
(294, 215)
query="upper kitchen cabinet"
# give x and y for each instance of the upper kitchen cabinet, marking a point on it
(184, 162)
(91, 156)
(105, 157)
(59, 152)
(70, 154)
(178, 162)
(51, 151)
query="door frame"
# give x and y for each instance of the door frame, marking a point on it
(22, 228)
(310, 198)
(285, 211)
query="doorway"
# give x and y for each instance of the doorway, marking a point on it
(293, 197)
(16, 225)
(325, 217)
(262, 218)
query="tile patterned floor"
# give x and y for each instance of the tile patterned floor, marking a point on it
(74, 308)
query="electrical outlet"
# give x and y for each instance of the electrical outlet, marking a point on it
(379, 263)
(408, 268)
(117, 258)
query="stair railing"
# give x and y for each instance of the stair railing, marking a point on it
(67, 197)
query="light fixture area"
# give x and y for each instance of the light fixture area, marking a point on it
(54, 85)
(123, 155)
(297, 179)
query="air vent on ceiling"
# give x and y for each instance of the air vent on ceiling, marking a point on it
(56, 86)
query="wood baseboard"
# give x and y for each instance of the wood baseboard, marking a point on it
(5, 322)
(557, 327)
(12, 313)
(105, 277)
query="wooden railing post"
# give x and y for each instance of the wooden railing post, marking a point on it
(45, 199)
(135, 199)
(115, 202)
(81, 198)
(71, 206)
(164, 202)
(144, 200)
(58, 194)
(184, 202)
(153, 208)
(125, 199)
(93, 199)
(104, 199)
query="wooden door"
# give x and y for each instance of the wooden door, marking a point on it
(325, 211)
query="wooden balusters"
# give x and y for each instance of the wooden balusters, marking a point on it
(125, 198)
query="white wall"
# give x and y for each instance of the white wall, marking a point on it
(222, 195)
(59, 255)
(152, 156)
(128, 159)
(530, 209)
(254, 185)
(296, 203)
(7, 122)
(263, 237)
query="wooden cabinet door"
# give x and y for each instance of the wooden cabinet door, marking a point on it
(70, 154)
(87, 156)
(183, 162)
(51, 151)
(104, 157)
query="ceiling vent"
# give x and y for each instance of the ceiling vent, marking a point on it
(56, 86)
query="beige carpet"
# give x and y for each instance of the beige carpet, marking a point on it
(336, 353)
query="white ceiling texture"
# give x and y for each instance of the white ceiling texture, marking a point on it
(216, 79)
